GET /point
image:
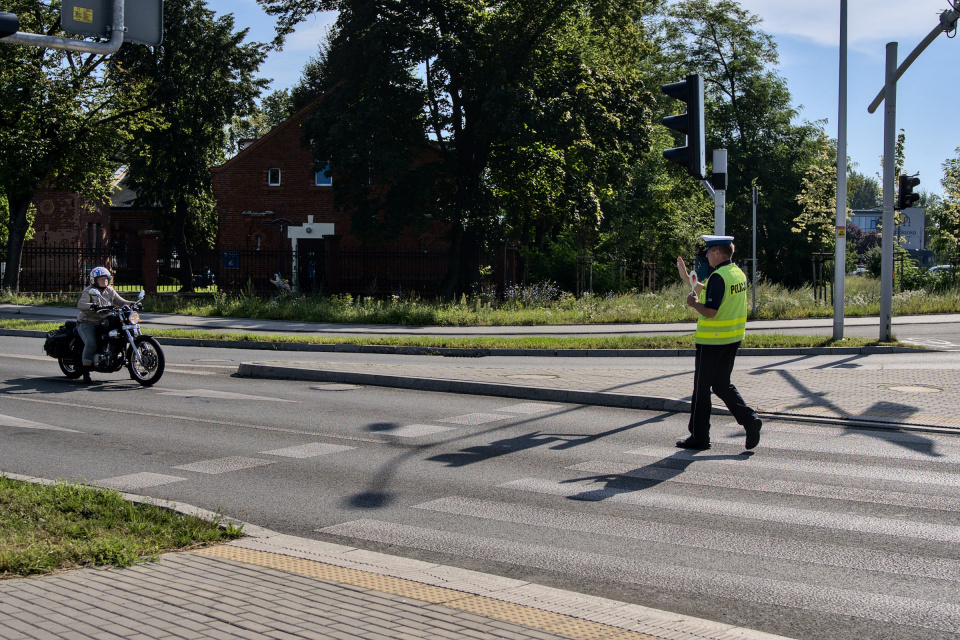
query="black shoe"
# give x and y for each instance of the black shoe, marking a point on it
(87, 379)
(753, 433)
(690, 443)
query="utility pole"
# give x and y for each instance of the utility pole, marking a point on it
(755, 196)
(840, 253)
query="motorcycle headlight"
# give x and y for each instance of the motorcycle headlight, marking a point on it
(134, 318)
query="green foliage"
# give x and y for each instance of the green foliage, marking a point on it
(510, 120)
(63, 118)
(817, 219)
(863, 192)
(272, 110)
(48, 528)
(749, 113)
(872, 260)
(199, 80)
(945, 239)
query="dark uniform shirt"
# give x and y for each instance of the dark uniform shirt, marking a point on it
(715, 289)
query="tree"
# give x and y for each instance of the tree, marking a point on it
(863, 191)
(945, 239)
(272, 110)
(200, 78)
(64, 117)
(749, 113)
(818, 199)
(484, 116)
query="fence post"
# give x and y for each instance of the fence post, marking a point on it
(150, 241)
(331, 267)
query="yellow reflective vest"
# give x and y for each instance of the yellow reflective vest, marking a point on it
(730, 323)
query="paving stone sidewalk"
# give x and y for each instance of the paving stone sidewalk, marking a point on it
(275, 586)
(910, 397)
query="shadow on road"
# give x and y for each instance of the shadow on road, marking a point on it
(648, 476)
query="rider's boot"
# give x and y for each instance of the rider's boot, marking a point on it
(86, 374)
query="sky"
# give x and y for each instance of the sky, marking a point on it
(807, 33)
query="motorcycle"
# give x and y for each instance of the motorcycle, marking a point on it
(119, 343)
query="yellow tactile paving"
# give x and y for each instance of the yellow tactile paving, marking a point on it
(526, 616)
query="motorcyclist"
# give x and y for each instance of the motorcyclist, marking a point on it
(99, 293)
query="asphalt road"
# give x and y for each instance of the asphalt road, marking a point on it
(822, 533)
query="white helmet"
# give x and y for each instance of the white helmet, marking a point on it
(99, 272)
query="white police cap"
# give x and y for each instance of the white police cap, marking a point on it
(714, 241)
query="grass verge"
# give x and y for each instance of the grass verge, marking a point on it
(47, 528)
(753, 340)
(666, 305)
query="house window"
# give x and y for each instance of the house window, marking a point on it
(324, 178)
(273, 177)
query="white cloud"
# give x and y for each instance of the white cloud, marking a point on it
(871, 22)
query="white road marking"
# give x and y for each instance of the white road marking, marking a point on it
(190, 372)
(310, 450)
(894, 474)
(221, 395)
(530, 407)
(595, 491)
(414, 430)
(783, 487)
(137, 481)
(224, 465)
(20, 423)
(475, 418)
(828, 555)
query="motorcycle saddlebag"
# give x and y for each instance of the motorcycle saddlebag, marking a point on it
(57, 344)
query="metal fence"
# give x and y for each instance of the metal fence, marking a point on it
(53, 268)
(46, 268)
(373, 272)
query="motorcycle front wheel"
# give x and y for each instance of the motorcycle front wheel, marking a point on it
(71, 370)
(148, 369)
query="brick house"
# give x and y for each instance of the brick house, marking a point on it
(269, 197)
(71, 236)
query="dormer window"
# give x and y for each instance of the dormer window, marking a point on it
(273, 177)
(324, 178)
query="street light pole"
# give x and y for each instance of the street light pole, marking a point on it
(840, 255)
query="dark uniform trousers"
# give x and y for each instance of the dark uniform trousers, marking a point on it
(712, 369)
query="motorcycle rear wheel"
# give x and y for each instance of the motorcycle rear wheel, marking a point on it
(70, 370)
(148, 371)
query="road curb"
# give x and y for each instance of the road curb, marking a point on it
(542, 394)
(480, 353)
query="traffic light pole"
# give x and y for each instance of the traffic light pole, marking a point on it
(948, 22)
(719, 182)
(70, 44)
(889, 169)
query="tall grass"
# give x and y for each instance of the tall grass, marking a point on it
(533, 307)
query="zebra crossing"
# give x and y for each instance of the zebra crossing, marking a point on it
(857, 526)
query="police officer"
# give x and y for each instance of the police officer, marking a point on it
(721, 303)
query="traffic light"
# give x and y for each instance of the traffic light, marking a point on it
(9, 24)
(693, 155)
(906, 198)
